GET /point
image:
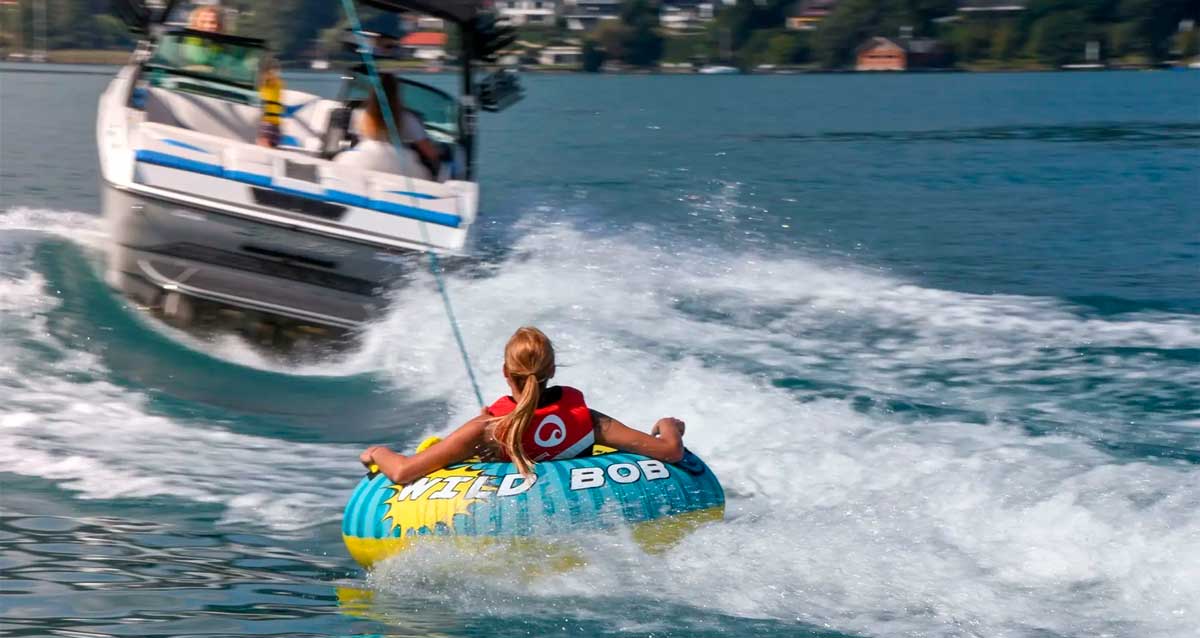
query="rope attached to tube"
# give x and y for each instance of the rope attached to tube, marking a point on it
(435, 267)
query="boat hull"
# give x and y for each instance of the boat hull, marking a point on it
(200, 268)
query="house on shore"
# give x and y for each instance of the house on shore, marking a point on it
(881, 54)
(528, 12)
(424, 45)
(564, 56)
(585, 15)
(807, 14)
(685, 15)
(884, 54)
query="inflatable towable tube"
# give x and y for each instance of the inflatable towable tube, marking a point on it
(492, 501)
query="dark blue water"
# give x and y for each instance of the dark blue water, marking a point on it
(939, 336)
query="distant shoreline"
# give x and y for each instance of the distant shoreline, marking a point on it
(113, 57)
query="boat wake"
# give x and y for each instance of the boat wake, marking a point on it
(899, 460)
(84, 229)
(66, 419)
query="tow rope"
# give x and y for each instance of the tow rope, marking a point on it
(435, 267)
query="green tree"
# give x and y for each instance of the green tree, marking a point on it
(773, 46)
(746, 17)
(1155, 22)
(1059, 38)
(1004, 42)
(610, 36)
(970, 41)
(752, 51)
(110, 32)
(787, 47)
(292, 26)
(69, 24)
(921, 14)
(643, 46)
(641, 43)
(686, 48)
(850, 24)
(1189, 43)
(593, 56)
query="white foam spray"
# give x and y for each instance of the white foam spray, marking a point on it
(81, 228)
(839, 517)
(62, 420)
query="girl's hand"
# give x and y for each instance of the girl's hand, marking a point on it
(668, 424)
(366, 457)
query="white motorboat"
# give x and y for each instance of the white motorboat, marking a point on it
(207, 226)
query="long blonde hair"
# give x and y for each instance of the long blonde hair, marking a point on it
(374, 109)
(529, 363)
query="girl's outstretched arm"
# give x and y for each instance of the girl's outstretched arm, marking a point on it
(462, 444)
(665, 441)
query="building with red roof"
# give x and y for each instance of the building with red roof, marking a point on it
(425, 45)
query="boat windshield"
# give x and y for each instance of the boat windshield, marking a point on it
(436, 108)
(214, 57)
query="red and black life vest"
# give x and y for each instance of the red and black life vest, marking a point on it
(560, 429)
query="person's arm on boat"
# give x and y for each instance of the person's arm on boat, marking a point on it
(665, 441)
(429, 155)
(400, 469)
(412, 132)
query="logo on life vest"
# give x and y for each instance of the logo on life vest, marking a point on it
(550, 432)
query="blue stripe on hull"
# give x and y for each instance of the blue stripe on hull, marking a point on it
(329, 195)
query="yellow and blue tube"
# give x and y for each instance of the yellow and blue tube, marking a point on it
(492, 501)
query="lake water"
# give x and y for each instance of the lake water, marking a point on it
(938, 335)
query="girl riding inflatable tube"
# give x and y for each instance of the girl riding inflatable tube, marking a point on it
(488, 502)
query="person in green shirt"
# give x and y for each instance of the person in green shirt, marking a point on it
(197, 52)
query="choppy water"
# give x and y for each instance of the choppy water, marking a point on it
(938, 335)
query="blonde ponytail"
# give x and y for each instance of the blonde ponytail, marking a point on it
(529, 361)
(512, 426)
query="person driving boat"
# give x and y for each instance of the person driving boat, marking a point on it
(206, 18)
(375, 151)
(200, 53)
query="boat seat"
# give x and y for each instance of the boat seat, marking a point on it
(202, 114)
(306, 117)
(305, 120)
(167, 145)
(218, 156)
